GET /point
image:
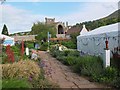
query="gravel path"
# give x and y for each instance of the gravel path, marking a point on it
(62, 75)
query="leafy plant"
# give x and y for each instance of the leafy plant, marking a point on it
(15, 83)
(30, 44)
(41, 30)
(70, 60)
(88, 65)
(74, 53)
(69, 44)
(116, 82)
(108, 75)
(44, 46)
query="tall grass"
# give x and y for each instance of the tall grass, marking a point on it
(21, 69)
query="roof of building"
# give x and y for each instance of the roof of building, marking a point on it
(24, 38)
(5, 36)
(84, 30)
(73, 30)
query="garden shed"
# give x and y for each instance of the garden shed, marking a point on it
(8, 40)
(93, 42)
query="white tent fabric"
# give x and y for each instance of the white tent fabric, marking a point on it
(103, 29)
(8, 40)
(93, 42)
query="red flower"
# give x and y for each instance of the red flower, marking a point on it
(22, 49)
(10, 54)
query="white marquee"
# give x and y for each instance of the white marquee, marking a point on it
(93, 42)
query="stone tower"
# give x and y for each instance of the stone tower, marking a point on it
(49, 20)
(61, 29)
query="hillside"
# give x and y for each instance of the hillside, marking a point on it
(114, 15)
(90, 25)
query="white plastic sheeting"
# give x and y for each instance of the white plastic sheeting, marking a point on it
(8, 40)
(93, 42)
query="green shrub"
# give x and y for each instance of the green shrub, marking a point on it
(43, 83)
(74, 53)
(4, 57)
(115, 62)
(44, 46)
(116, 82)
(15, 83)
(55, 53)
(70, 60)
(110, 72)
(15, 49)
(60, 58)
(66, 52)
(17, 52)
(91, 65)
(30, 44)
(88, 65)
(69, 44)
(61, 53)
(108, 75)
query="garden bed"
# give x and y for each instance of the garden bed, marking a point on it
(90, 66)
(23, 72)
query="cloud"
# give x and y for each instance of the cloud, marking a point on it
(91, 11)
(19, 20)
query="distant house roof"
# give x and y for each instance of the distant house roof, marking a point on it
(24, 38)
(5, 36)
(73, 30)
(84, 30)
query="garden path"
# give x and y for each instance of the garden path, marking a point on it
(62, 75)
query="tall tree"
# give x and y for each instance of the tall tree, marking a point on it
(41, 30)
(5, 30)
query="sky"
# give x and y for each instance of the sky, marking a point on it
(20, 16)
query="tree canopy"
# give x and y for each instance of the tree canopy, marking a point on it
(41, 30)
(5, 30)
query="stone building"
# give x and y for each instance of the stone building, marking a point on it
(61, 28)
